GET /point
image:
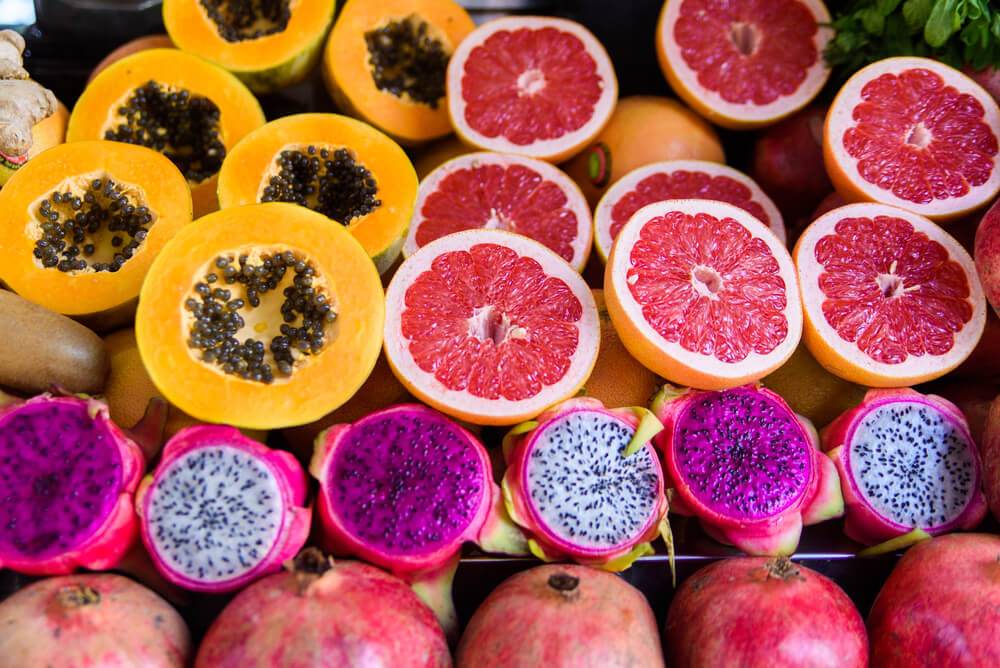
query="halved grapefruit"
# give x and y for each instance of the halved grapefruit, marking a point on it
(506, 192)
(703, 294)
(680, 179)
(914, 133)
(490, 326)
(890, 298)
(744, 64)
(532, 85)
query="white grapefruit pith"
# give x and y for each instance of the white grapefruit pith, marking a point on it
(679, 179)
(914, 133)
(890, 298)
(702, 294)
(490, 326)
(537, 86)
(744, 64)
(507, 192)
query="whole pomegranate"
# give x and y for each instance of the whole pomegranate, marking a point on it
(561, 616)
(940, 606)
(93, 619)
(759, 611)
(325, 613)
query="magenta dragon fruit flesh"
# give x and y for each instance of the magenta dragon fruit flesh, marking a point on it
(747, 466)
(221, 509)
(906, 461)
(67, 478)
(585, 484)
(403, 488)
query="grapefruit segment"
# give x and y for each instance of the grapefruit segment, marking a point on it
(490, 326)
(506, 192)
(744, 64)
(680, 179)
(702, 294)
(537, 86)
(914, 133)
(890, 298)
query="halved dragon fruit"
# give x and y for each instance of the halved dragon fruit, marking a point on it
(906, 461)
(585, 484)
(404, 488)
(67, 478)
(746, 465)
(222, 509)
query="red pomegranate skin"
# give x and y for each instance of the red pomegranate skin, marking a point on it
(93, 620)
(761, 611)
(940, 606)
(561, 616)
(352, 615)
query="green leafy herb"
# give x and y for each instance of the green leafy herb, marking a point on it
(953, 31)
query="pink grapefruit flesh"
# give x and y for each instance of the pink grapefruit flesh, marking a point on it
(702, 294)
(914, 133)
(490, 327)
(680, 179)
(506, 192)
(537, 86)
(890, 298)
(744, 64)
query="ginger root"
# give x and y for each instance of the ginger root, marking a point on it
(22, 102)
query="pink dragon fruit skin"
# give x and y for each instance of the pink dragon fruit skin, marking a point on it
(277, 472)
(86, 518)
(866, 524)
(811, 492)
(343, 517)
(617, 427)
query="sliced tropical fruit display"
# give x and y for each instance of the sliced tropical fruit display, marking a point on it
(703, 294)
(643, 129)
(67, 476)
(161, 41)
(917, 134)
(262, 316)
(746, 466)
(744, 64)
(169, 100)
(221, 509)
(506, 192)
(585, 483)
(538, 86)
(890, 298)
(490, 326)
(404, 488)
(82, 223)
(679, 179)
(336, 165)
(268, 45)
(386, 62)
(906, 461)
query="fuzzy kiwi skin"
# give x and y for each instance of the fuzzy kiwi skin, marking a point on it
(41, 348)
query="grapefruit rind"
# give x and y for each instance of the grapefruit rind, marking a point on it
(684, 81)
(671, 360)
(629, 182)
(551, 150)
(575, 201)
(461, 404)
(843, 358)
(842, 168)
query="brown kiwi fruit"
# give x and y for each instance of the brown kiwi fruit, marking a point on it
(42, 348)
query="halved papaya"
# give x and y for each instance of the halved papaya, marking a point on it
(386, 62)
(81, 222)
(267, 45)
(339, 166)
(262, 316)
(182, 105)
